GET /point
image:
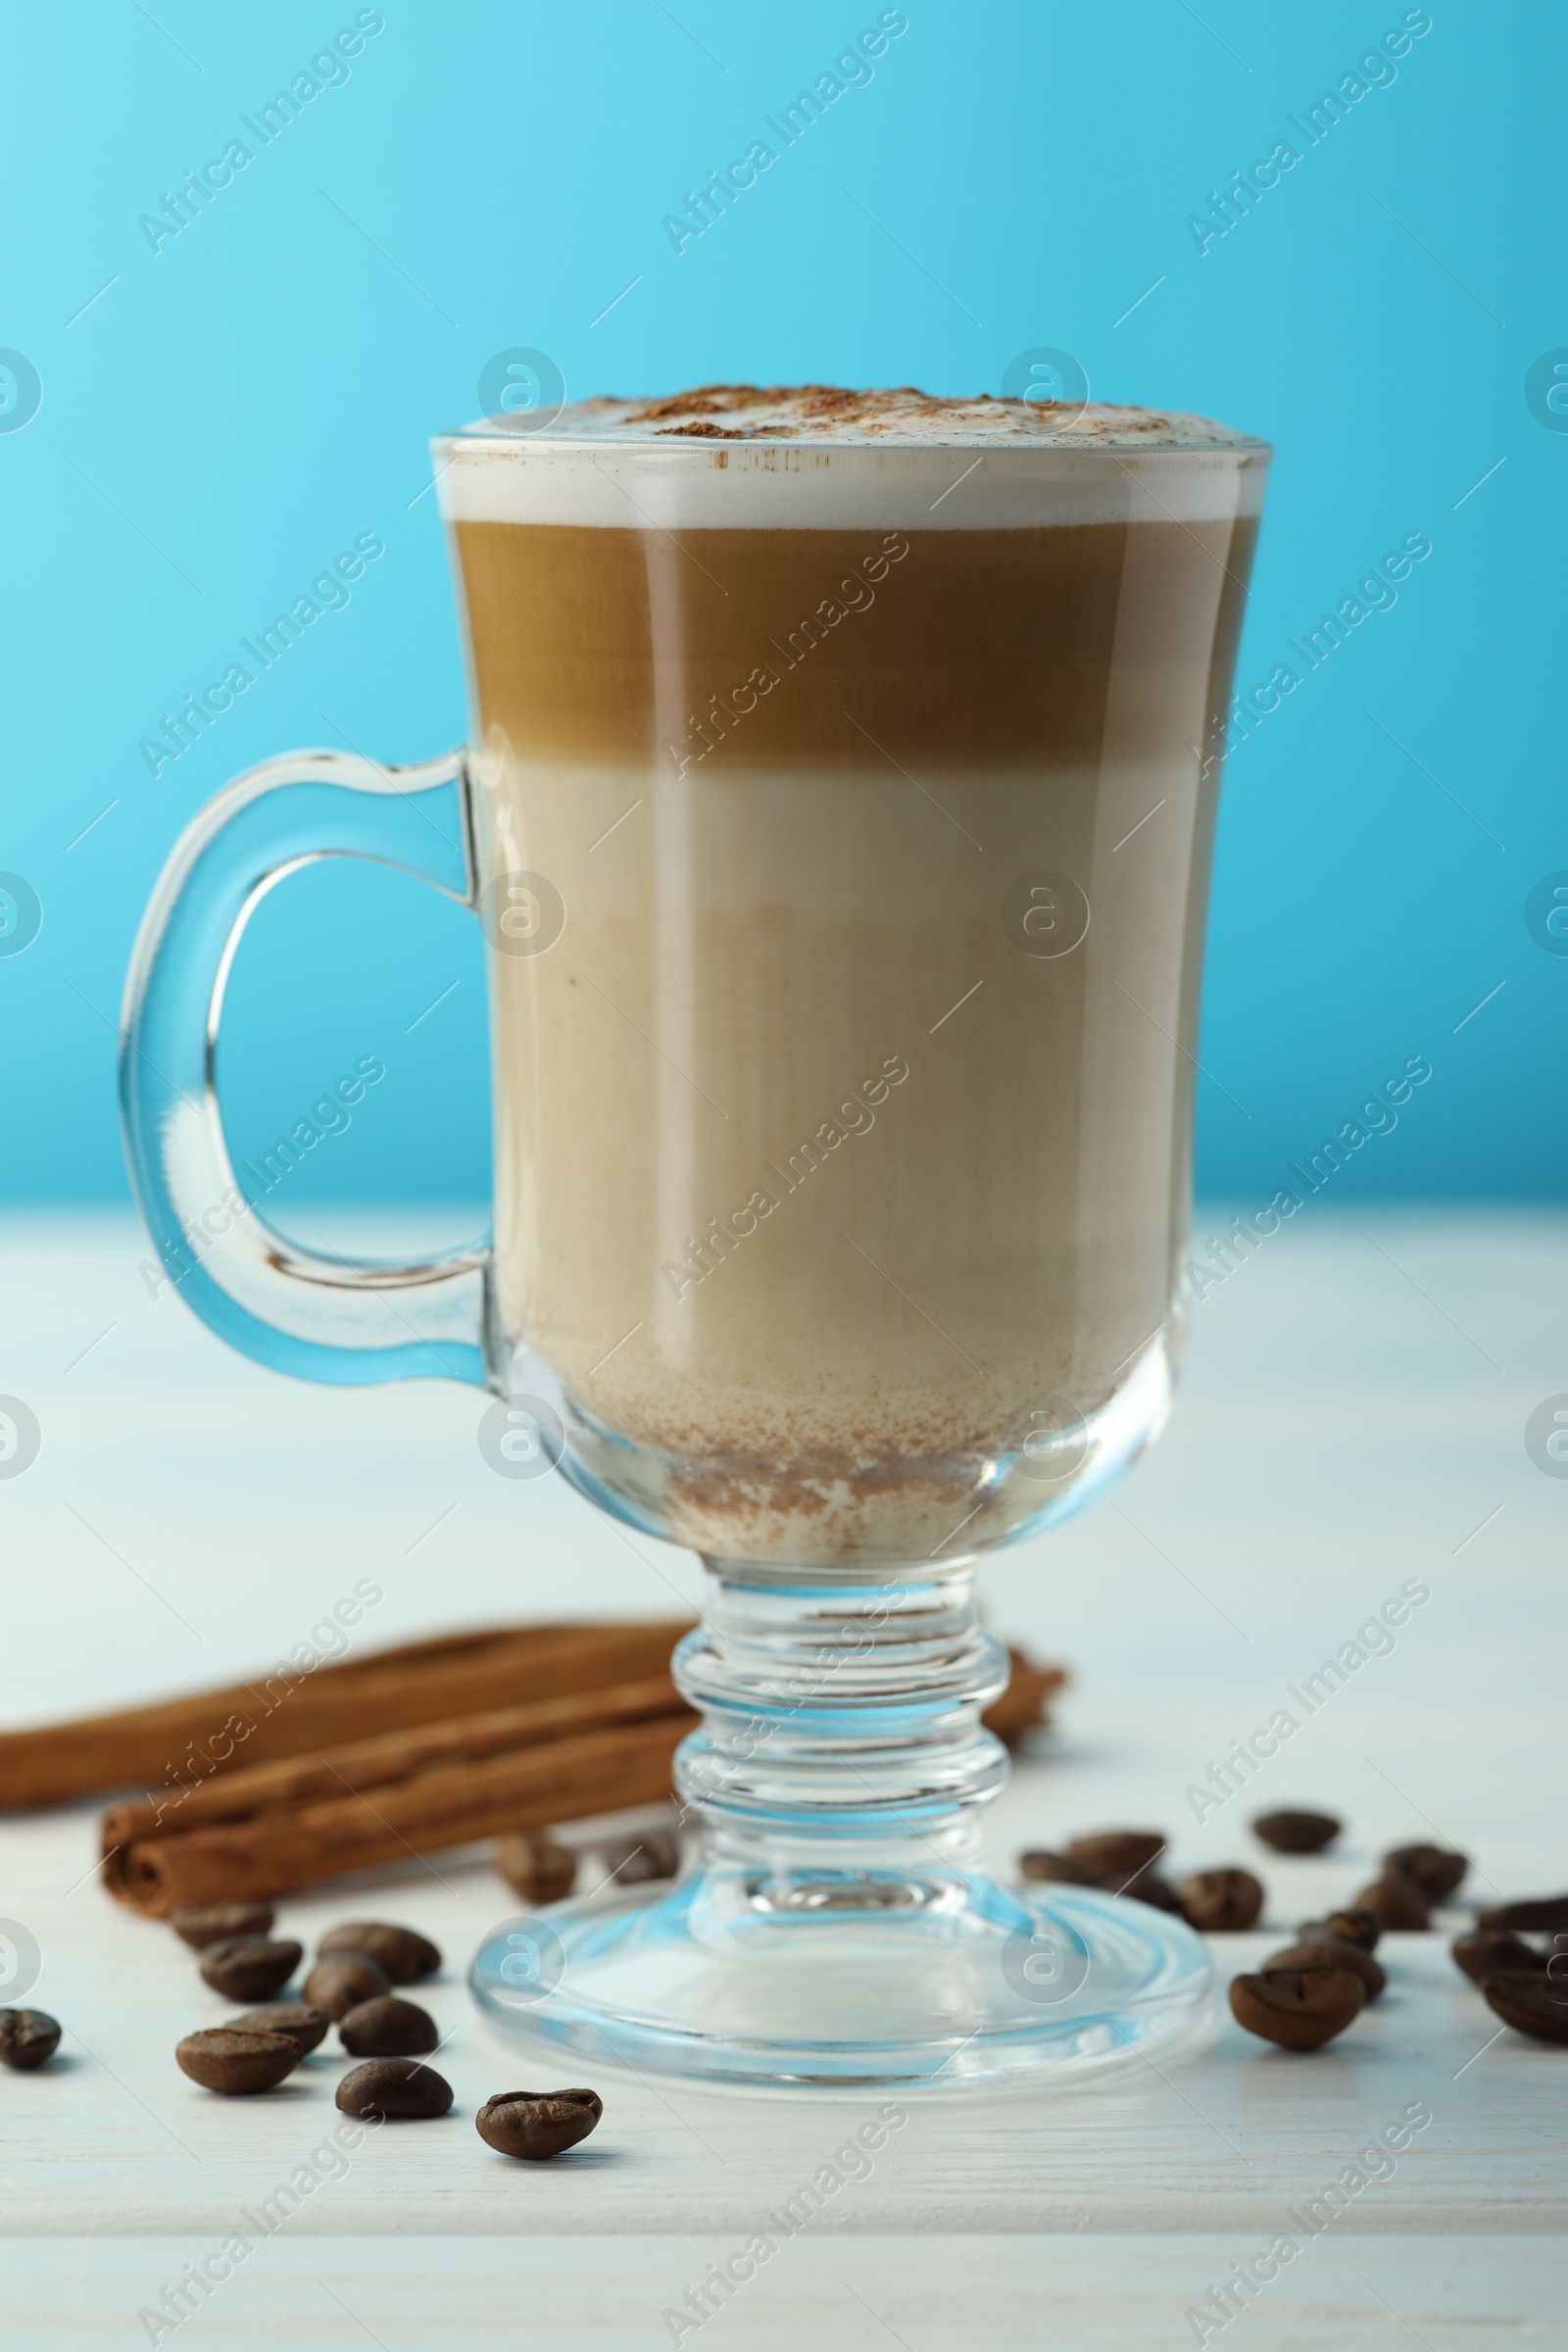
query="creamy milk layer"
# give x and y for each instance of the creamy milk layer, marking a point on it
(811, 1176)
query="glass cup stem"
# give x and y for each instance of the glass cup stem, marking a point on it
(841, 1735)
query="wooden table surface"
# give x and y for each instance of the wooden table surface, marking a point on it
(1353, 1419)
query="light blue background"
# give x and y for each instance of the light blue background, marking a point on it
(233, 411)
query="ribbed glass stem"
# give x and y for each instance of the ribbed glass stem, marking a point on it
(840, 1718)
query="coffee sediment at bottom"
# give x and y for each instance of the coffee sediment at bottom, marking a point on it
(858, 781)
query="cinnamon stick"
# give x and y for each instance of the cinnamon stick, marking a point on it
(297, 1708)
(1022, 1705)
(597, 1772)
(367, 1764)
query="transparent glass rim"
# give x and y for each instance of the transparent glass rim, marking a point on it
(699, 451)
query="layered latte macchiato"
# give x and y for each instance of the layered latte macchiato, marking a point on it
(844, 825)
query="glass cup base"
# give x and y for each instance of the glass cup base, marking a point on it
(925, 1979)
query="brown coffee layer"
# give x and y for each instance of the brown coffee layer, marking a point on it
(756, 648)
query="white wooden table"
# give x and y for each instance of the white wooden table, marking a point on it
(1352, 1418)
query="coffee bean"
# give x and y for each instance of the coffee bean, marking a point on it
(28, 2037)
(202, 1924)
(1431, 1869)
(1530, 2001)
(536, 1868)
(1297, 1832)
(1144, 1886)
(1117, 1853)
(400, 1952)
(341, 1982)
(1299, 2008)
(249, 1968)
(387, 2027)
(221, 2059)
(535, 2124)
(1396, 1902)
(1493, 1951)
(1346, 1926)
(1057, 1868)
(653, 1854)
(393, 2087)
(1218, 1901)
(1332, 1954)
(301, 2025)
(1545, 1911)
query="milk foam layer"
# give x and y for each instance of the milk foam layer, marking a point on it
(817, 413)
(741, 457)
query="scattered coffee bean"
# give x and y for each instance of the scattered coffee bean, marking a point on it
(535, 2124)
(1299, 2008)
(653, 1854)
(1297, 1832)
(1058, 1869)
(394, 2087)
(1493, 1951)
(387, 2027)
(536, 1868)
(1332, 1954)
(1545, 1911)
(1145, 1886)
(1346, 1926)
(1117, 1853)
(28, 2037)
(202, 1924)
(400, 1952)
(219, 2059)
(342, 1982)
(1218, 1901)
(301, 2025)
(1431, 1869)
(1530, 2001)
(249, 1968)
(1396, 1902)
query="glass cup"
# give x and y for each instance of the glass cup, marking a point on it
(839, 821)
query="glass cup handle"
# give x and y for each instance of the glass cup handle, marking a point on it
(316, 1316)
